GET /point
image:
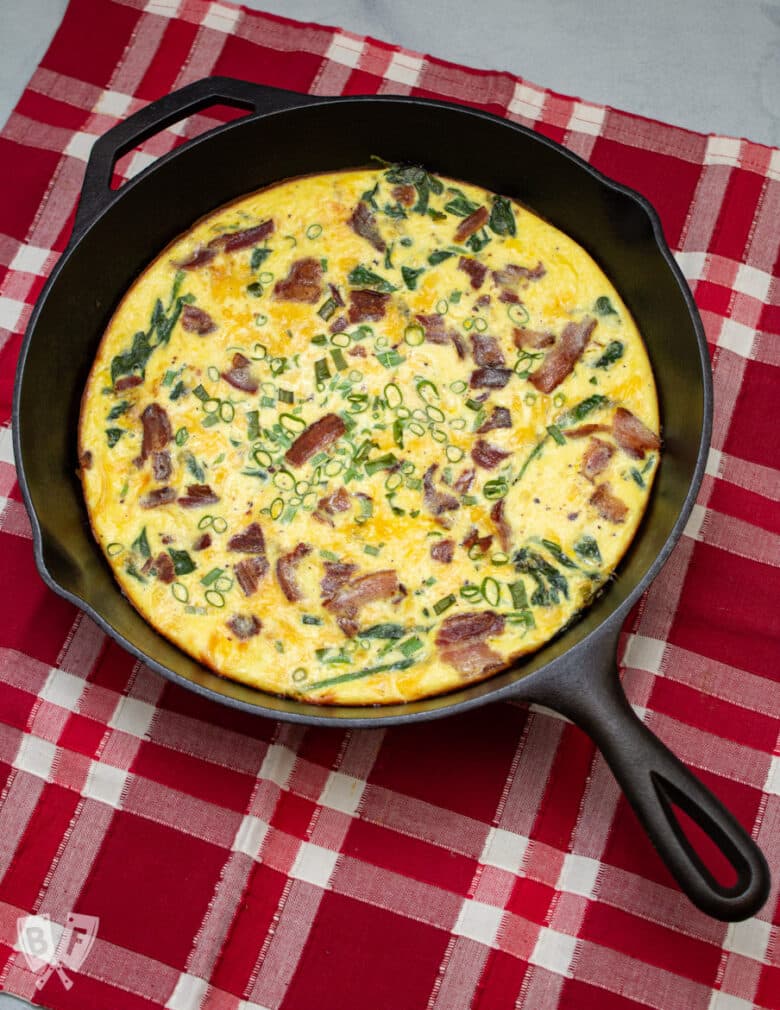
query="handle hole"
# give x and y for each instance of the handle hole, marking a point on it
(709, 848)
(139, 157)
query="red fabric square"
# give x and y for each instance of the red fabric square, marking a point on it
(82, 735)
(256, 62)
(753, 430)
(194, 776)
(293, 815)
(75, 54)
(150, 886)
(168, 59)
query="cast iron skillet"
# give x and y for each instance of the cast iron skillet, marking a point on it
(117, 232)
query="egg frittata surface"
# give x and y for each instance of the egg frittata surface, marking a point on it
(367, 436)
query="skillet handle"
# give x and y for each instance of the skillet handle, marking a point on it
(655, 781)
(96, 192)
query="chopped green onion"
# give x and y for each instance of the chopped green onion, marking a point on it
(372, 550)
(212, 576)
(215, 598)
(321, 371)
(518, 313)
(454, 453)
(556, 433)
(470, 592)
(414, 334)
(338, 359)
(114, 549)
(519, 595)
(285, 395)
(491, 591)
(410, 646)
(326, 310)
(180, 592)
(389, 359)
(314, 231)
(381, 463)
(496, 488)
(443, 604)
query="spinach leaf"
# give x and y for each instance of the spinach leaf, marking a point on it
(582, 409)
(259, 255)
(424, 183)
(362, 277)
(117, 410)
(460, 205)
(394, 210)
(411, 276)
(194, 467)
(141, 545)
(550, 584)
(478, 240)
(502, 220)
(113, 435)
(182, 562)
(439, 256)
(604, 307)
(557, 553)
(612, 352)
(388, 631)
(134, 361)
(587, 549)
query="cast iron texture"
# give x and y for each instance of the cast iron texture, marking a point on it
(118, 232)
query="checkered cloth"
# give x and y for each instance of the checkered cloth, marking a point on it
(485, 861)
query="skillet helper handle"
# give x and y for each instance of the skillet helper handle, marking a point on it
(655, 782)
(96, 192)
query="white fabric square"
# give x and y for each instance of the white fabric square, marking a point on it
(342, 792)
(6, 446)
(587, 119)
(133, 716)
(222, 18)
(753, 282)
(30, 259)
(644, 653)
(165, 8)
(138, 162)
(749, 938)
(773, 170)
(737, 337)
(772, 784)
(80, 145)
(188, 993)
(725, 1001)
(404, 68)
(277, 765)
(113, 103)
(554, 951)
(345, 50)
(35, 756)
(105, 783)
(479, 921)
(504, 849)
(250, 836)
(578, 875)
(10, 312)
(314, 864)
(692, 264)
(527, 101)
(722, 151)
(714, 462)
(695, 522)
(63, 689)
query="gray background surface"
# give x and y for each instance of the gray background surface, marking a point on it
(710, 65)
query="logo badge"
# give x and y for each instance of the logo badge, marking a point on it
(49, 947)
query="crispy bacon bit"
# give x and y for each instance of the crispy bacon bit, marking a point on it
(486, 455)
(85, 460)
(164, 567)
(363, 223)
(490, 378)
(476, 271)
(461, 640)
(203, 541)
(471, 224)
(249, 541)
(500, 418)
(318, 436)
(631, 435)
(239, 375)
(443, 551)
(436, 501)
(563, 357)
(303, 283)
(585, 429)
(195, 320)
(244, 626)
(286, 565)
(127, 382)
(339, 324)
(502, 525)
(463, 627)
(161, 465)
(405, 195)
(199, 258)
(197, 496)
(160, 496)
(473, 539)
(509, 297)
(336, 574)
(532, 338)
(234, 240)
(436, 333)
(249, 573)
(157, 429)
(348, 599)
(513, 273)
(597, 456)
(364, 304)
(608, 505)
(486, 350)
(357, 351)
(464, 481)
(472, 659)
(336, 501)
(336, 295)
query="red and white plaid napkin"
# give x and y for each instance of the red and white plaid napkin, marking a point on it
(486, 861)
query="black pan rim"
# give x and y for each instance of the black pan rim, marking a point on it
(380, 716)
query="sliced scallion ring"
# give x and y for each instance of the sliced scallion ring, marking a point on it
(215, 599)
(114, 549)
(227, 411)
(314, 231)
(414, 334)
(518, 313)
(454, 453)
(180, 592)
(276, 509)
(218, 524)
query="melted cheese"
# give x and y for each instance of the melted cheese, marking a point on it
(398, 398)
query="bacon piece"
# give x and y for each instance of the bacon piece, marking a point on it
(249, 541)
(486, 350)
(239, 375)
(476, 271)
(502, 525)
(473, 539)
(197, 496)
(161, 465)
(443, 550)
(157, 429)
(608, 505)
(357, 351)
(532, 338)
(436, 501)
(500, 418)
(315, 438)
(436, 333)
(336, 295)
(303, 283)
(463, 627)
(195, 320)
(203, 541)
(471, 224)
(339, 324)
(597, 456)
(249, 573)
(85, 460)
(631, 435)
(244, 626)
(585, 429)
(336, 574)
(199, 258)
(464, 481)
(562, 358)
(472, 659)
(286, 566)
(364, 304)
(490, 378)
(234, 240)
(160, 496)
(461, 641)
(482, 301)
(405, 195)
(363, 223)
(513, 273)
(164, 567)
(336, 501)
(348, 599)
(127, 382)
(486, 455)
(509, 297)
